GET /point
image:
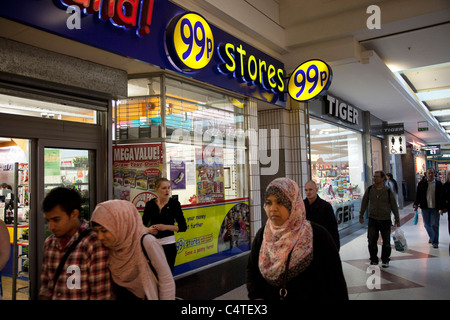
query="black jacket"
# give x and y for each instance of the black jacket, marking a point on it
(421, 195)
(169, 214)
(322, 280)
(321, 212)
(446, 196)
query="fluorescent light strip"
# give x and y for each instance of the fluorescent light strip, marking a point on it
(441, 113)
(433, 95)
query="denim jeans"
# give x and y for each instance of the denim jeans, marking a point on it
(431, 221)
(375, 227)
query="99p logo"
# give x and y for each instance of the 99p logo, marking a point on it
(310, 81)
(189, 42)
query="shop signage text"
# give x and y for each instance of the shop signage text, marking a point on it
(190, 42)
(250, 70)
(342, 110)
(310, 80)
(190, 47)
(137, 29)
(136, 153)
(122, 13)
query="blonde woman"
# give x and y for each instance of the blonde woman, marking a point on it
(163, 217)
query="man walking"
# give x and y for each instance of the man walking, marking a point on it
(87, 258)
(320, 211)
(429, 197)
(381, 202)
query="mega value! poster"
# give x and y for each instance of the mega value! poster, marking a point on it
(135, 168)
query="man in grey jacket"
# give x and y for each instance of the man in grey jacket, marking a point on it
(381, 202)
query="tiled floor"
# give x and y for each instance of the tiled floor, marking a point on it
(421, 273)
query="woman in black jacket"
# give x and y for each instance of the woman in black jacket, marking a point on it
(160, 215)
(292, 258)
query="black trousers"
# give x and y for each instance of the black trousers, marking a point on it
(375, 227)
(170, 251)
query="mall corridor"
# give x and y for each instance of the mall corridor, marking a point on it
(423, 273)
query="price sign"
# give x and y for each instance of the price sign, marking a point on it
(310, 80)
(190, 42)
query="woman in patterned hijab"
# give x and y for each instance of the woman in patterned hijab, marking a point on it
(293, 258)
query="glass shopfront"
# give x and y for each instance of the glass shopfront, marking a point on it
(337, 168)
(195, 137)
(337, 160)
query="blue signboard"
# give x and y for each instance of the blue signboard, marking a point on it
(160, 33)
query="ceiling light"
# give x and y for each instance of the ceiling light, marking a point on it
(441, 113)
(433, 94)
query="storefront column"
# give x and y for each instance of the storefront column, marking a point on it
(367, 151)
(299, 168)
(251, 116)
(397, 172)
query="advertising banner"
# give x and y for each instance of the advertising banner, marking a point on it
(212, 229)
(135, 168)
(209, 167)
(177, 174)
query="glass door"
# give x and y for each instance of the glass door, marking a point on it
(70, 164)
(69, 168)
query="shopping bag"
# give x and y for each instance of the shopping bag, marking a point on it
(399, 240)
(416, 217)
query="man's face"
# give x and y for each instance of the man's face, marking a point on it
(60, 223)
(377, 178)
(310, 191)
(430, 175)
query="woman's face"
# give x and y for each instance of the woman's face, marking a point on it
(105, 236)
(275, 211)
(163, 190)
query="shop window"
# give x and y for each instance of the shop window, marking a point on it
(337, 168)
(203, 154)
(45, 109)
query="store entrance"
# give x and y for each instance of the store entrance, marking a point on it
(15, 213)
(20, 208)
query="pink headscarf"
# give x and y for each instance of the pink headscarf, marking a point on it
(294, 235)
(128, 265)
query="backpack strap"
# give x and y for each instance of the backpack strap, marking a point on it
(68, 252)
(146, 256)
(388, 191)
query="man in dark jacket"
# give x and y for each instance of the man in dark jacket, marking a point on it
(320, 211)
(429, 197)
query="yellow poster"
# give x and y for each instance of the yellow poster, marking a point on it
(212, 229)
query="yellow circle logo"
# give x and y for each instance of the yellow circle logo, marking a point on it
(191, 42)
(310, 80)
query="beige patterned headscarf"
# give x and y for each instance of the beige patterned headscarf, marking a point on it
(294, 235)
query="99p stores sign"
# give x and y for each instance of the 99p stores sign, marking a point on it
(189, 42)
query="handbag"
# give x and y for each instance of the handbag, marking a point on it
(66, 255)
(283, 290)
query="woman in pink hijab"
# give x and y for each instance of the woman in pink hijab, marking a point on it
(292, 258)
(119, 227)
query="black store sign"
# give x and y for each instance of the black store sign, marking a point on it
(336, 110)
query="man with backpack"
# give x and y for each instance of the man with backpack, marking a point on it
(381, 202)
(75, 265)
